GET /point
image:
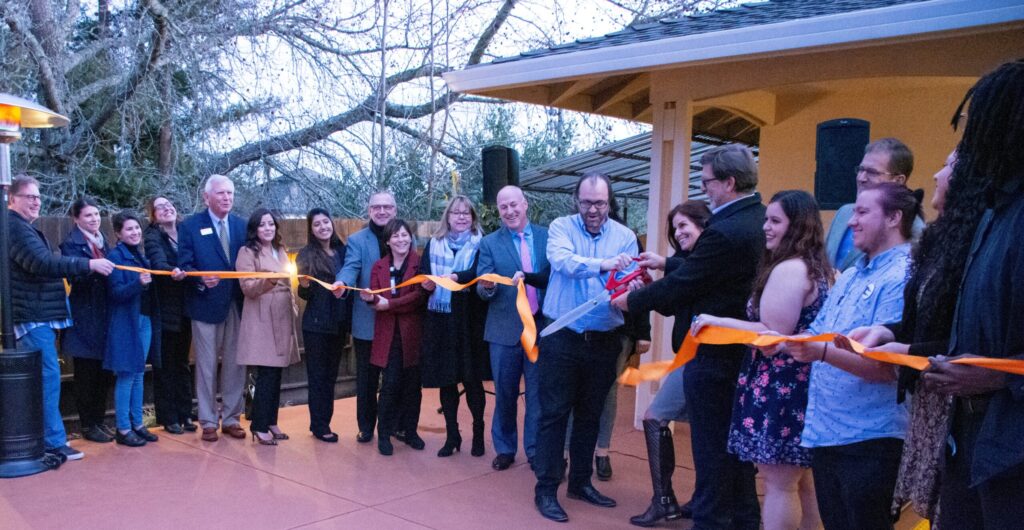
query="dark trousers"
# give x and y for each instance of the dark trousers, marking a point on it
(92, 386)
(574, 374)
(725, 495)
(323, 355)
(266, 399)
(994, 504)
(172, 382)
(400, 394)
(367, 383)
(854, 483)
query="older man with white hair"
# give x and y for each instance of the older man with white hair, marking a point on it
(209, 241)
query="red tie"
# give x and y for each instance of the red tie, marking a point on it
(527, 262)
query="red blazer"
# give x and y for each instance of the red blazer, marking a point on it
(406, 309)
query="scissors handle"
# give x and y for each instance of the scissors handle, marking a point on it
(619, 285)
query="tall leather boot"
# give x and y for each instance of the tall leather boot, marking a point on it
(453, 441)
(661, 457)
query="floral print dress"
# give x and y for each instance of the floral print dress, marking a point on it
(771, 398)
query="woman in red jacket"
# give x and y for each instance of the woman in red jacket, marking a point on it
(397, 329)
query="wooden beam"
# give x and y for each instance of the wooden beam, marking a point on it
(642, 108)
(558, 94)
(622, 92)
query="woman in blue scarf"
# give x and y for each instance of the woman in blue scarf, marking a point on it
(454, 350)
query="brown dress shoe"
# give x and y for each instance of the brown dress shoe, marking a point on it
(234, 431)
(209, 434)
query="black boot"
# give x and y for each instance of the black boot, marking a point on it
(662, 459)
(452, 443)
(478, 439)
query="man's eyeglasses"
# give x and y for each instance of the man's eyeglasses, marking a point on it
(871, 172)
(587, 205)
(31, 198)
(381, 207)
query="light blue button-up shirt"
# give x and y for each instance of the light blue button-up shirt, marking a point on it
(841, 407)
(575, 256)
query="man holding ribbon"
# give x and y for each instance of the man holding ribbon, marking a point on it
(209, 241)
(577, 365)
(516, 250)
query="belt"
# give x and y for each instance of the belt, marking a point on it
(589, 336)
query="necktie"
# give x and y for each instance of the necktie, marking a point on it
(222, 233)
(527, 262)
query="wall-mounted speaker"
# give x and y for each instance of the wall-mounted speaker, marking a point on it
(839, 149)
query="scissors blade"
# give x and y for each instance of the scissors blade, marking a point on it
(576, 313)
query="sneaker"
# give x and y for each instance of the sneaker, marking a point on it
(58, 454)
(71, 452)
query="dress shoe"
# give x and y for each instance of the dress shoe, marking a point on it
(413, 440)
(384, 446)
(548, 507)
(590, 494)
(209, 434)
(399, 435)
(234, 431)
(144, 433)
(110, 431)
(686, 510)
(130, 438)
(96, 434)
(503, 462)
(189, 426)
(451, 444)
(329, 437)
(278, 435)
(264, 438)
(604, 468)
(174, 428)
(364, 437)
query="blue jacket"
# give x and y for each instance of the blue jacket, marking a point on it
(124, 346)
(87, 338)
(499, 255)
(199, 250)
(361, 253)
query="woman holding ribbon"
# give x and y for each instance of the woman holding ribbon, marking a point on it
(133, 331)
(791, 285)
(266, 333)
(86, 339)
(325, 321)
(397, 328)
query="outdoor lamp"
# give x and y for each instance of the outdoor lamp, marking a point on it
(21, 386)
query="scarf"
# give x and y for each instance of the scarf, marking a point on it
(96, 243)
(456, 252)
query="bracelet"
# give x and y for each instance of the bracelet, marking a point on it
(823, 352)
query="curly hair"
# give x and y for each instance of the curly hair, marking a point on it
(804, 239)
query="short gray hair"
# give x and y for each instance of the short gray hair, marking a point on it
(216, 178)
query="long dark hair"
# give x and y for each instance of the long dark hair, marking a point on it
(988, 157)
(804, 239)
(313, 259)
(696, 211)
(252, 239)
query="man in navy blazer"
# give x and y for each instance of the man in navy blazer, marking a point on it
(209, 241)
(502, 253)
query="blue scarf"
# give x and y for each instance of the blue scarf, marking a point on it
(453, 253)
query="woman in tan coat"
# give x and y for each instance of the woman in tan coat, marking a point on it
(266, 337)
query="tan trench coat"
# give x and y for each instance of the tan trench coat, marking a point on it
(266, 335)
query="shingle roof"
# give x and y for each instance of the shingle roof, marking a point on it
(743, 15)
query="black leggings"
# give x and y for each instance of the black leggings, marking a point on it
(474, 399)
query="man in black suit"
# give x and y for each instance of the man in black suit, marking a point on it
(209, 241)
(716, 278)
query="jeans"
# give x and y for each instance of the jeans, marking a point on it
(266, 400)
(508, 365)
(128, 389)
(574, 375)
(172, 382)
(44, 339)
(367, 384)
(670, 402)
(323, 355)
(854, 483)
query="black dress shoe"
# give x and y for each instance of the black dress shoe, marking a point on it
(144, 433)
(189, 426)
(364, 437)
(96, 434)
(590, 494)
(413, 440)
(549, 508)
(604, 468)
(174, 428)
(503, 462)
(399, 435)
(384, 446)
(329, 437)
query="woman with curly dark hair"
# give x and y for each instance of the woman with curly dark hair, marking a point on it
(771, 393)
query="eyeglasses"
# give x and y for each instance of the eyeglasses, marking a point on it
(453, 213)
(704, 182)
(163, 207)
(31, 198)
(381, 207)
(871, 172)
(587, 205)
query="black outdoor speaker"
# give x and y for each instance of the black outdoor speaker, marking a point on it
(840, 148)
(500, 169)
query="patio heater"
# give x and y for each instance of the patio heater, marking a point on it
(21, 374)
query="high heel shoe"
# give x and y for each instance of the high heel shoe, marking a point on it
(452, 444)
(478, 439)
(263, 441)
(275, 431)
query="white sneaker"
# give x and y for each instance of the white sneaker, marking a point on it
(71, 452)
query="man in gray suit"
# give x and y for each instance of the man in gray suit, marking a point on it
(364, 248)
(885, 160)
(517, 250)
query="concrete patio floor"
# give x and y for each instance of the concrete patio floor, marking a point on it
(182, 481)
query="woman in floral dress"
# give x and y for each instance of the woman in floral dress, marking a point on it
(771, 393)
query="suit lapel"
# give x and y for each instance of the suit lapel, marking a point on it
(505, 240)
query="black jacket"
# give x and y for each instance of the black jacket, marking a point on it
(37, 285)
(716, 278)
(324, 313)
(162, 256)
(88, 337)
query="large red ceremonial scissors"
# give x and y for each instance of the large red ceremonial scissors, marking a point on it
(617, 285)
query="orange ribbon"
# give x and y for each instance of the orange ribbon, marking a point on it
(720, 335)
(528, 338)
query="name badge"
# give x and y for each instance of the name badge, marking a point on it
(867, 292)
(205, 231)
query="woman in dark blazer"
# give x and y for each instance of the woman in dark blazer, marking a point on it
(172, 382)
(326, 319)
(397, 330)
(133, 330)
(454, 350)
(87, 338)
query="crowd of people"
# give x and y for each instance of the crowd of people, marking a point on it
(828, 429)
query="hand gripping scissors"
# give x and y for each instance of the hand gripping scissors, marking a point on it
(617, 285)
